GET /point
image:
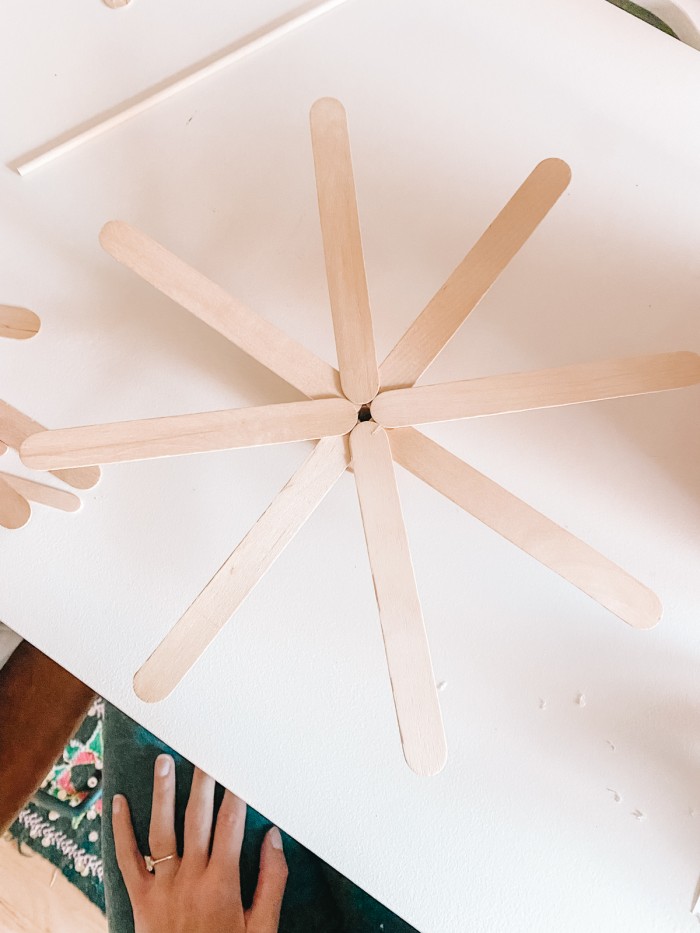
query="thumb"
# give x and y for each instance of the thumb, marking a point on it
(264, 915)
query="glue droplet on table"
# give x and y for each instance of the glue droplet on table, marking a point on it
(612, 747)
(616, 797)
(543, 703)
(638, 815)
(441, 686)
(581, 699)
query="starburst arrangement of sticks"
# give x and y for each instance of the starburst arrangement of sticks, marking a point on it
(363, 414)
(17, 492)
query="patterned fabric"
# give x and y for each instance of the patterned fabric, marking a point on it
(64, 820)
(64, 824)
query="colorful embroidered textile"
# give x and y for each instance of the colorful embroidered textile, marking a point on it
(63, 821)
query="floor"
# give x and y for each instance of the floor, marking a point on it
(35, 899)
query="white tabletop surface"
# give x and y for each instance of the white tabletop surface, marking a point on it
(451, 104)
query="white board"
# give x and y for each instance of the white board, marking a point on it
(450, 105)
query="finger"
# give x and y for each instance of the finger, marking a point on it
(228, 838)
(198, 820)
(161, 836)
(267, 903)
(129, 858)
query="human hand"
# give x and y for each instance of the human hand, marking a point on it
(199, 892)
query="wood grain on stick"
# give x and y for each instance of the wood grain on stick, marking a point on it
(14, 508)
(532, 532)
(175, 435)
(232, 583)
(16, 427)
(400, 614)
(545, 388)
(211, 304)
(18, 323)
(39, 492)
(342, 246)
(448, 309)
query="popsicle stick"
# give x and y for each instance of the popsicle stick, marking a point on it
(175, 435)
(18, 323)
(545, 388)
(342, 246)
(448, 309)
(14, 508)
(45, 495)
(400, 614)
(16, 427)
(532, 532)
(253, 42)
(211, 304)
(235, 579)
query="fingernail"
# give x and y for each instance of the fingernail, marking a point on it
(117, 801)
(275, 838)
(163, 763)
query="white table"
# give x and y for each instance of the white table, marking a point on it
(451, 104)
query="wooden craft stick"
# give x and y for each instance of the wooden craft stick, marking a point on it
(175, 435)
(16, 427)
(14, 508)
(253, 42)
(400, 614)
(18, 323)
(545, 388)
(448, 309)
(45, 495)
(342, 246)
(235, 579)
(532, 532)
(251, 333)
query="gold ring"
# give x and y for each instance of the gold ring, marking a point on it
(152, 862)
